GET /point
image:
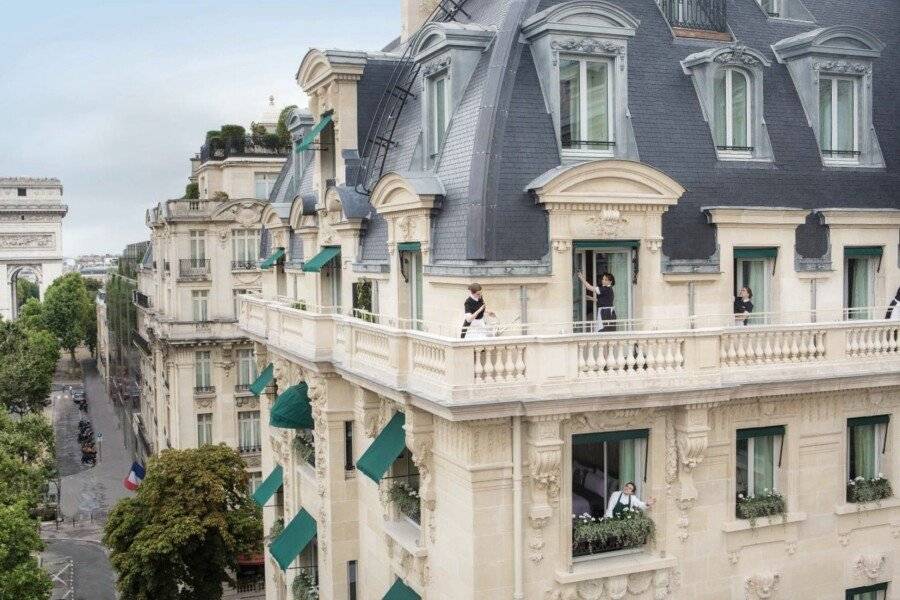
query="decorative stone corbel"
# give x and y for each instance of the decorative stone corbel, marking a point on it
(367, 407)
(692, 439)
(761, 585)
(420, 441)
(545, 459)
(869, 566)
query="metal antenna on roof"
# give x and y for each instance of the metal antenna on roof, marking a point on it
(400, 86)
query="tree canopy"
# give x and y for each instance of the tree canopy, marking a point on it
(27, 362)
(20, 575)
(179, 536)
(67, 311)
(25, 290)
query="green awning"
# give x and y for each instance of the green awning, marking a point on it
(401, 591)
(599, 244)
(874, 420)
(310, 137)
(610, 436)
(291, 409)
(315, 264)
(272, 259)
(264, 379)
(389, 444)
(863, 251)
(409, 247)
(755, 252)
(295, 537)
(268, 487)
(757, 432)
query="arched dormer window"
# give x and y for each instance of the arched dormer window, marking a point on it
(729, 84)
(732, 111)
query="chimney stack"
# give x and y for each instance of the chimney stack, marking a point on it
(413, 14)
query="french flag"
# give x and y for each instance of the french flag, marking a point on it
(135, 477)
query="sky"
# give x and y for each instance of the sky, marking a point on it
(114, 97)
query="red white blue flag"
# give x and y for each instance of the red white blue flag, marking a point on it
(135, 477)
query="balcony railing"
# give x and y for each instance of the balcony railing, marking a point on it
(535, 359)
(141, 299)
(705, 15)
(241, 387)
(141, 343)
(203, 390)
(194, 268)
(244, 265)
(249, 449)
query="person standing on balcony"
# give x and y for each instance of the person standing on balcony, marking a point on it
(743, 306)
(893, 311)
(625, 500)
(605, 298)
(473, 324)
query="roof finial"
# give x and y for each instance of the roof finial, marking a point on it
(271, 100)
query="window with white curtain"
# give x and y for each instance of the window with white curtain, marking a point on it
(248, 431)
(759, 458)
(838, 117)
(200, 305)
(246, 367)
(203, 370)
(859, 284)
(245, 247)
(198, 245)
(438, 112)
(264, 182)
(586, 105)
(867, 446)
(602, 463)
(732, 119)
(204, 429)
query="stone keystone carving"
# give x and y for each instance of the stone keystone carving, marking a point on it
(762, 585)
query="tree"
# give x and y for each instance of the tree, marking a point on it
(20, 575)
(31, 315)
(281, 130)
(179, 537)
(27, 458)
(25, 290)
(27, 362)
(67, 309)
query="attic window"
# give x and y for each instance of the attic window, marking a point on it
(793, 10)
(438, 90)
(586, 104)
(731, 111)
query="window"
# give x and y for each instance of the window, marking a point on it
(21, 192)
(349, 464)
(204, 429)
(264, 182)
(411, 271)
(248, 431)
(759, 457)
(732, 119)
(203, 370)
(859, 283)
(244, 248)
(200, 305)
(602, 463)
(753, 269)
(867, 443)
(838, 120)
(255, 480)
(586, 104)
(438, 111)
(770, 6)
(246, 368)
(364, 300)
(351, 580)
(594, 259)
(870, 592)
(404, 485)
(234, 299)
(198, 247)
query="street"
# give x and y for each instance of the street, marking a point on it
(87, 492)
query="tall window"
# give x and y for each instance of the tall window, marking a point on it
(859, 284)
(838, 117)
(349, 465)
(438, 112)
(245, 248)
(770, 6)
(869, 592)
(203, 370)
(602, 463)
(264, 182)
(732, 111)
(866, 447)
(204, 429)
(248, 431)
(759, 457)
(351, 580)
(586, 104)
(753, 269)
(198, 246)
(200, 305)
(255, 480)
(246, 367)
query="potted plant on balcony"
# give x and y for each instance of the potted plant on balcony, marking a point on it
(767, 504)
(276, 529)
(594, 535)
(305, 446)
(406, 498)
(862, 491)
(305, 586)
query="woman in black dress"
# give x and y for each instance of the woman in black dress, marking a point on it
(475, 311)
(605, 299)
(743, 306)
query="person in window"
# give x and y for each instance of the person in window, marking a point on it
(604, 296)
(473, 324)
(743, 306)
(893, 311)
(624, 500)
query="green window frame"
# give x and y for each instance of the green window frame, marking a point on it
(866, 445)
(877, 591)
(759, 455)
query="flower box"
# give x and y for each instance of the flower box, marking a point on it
(869, 490)
(595, 535)
(405, 497)
(305, 446)
(768, 504)
(305, 586)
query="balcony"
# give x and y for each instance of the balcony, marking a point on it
(204, 390)
(242, 388)
(244, 265)
(696, 18)
(141, 299)
(194, 268)
(242, 449)
(551, 362)
(191, 331)
(228, 148)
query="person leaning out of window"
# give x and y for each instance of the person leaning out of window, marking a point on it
(743, 306)
(625, 500)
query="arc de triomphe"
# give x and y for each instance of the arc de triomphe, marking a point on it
(31, 214)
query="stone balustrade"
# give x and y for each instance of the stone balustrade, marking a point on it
(454, 371)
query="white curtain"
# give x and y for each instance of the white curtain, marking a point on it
(738, 109)
(618, 266)
(569, 101)
(844, 115)
(825, 113)
(598, 101)
(719, 108)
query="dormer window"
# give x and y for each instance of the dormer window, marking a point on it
(580, 51)
(729, 84)
(838, 122)
(438, 112)
(732, 118)
(586, 105)
(831, 68)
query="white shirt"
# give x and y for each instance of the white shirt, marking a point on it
(621, 496)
